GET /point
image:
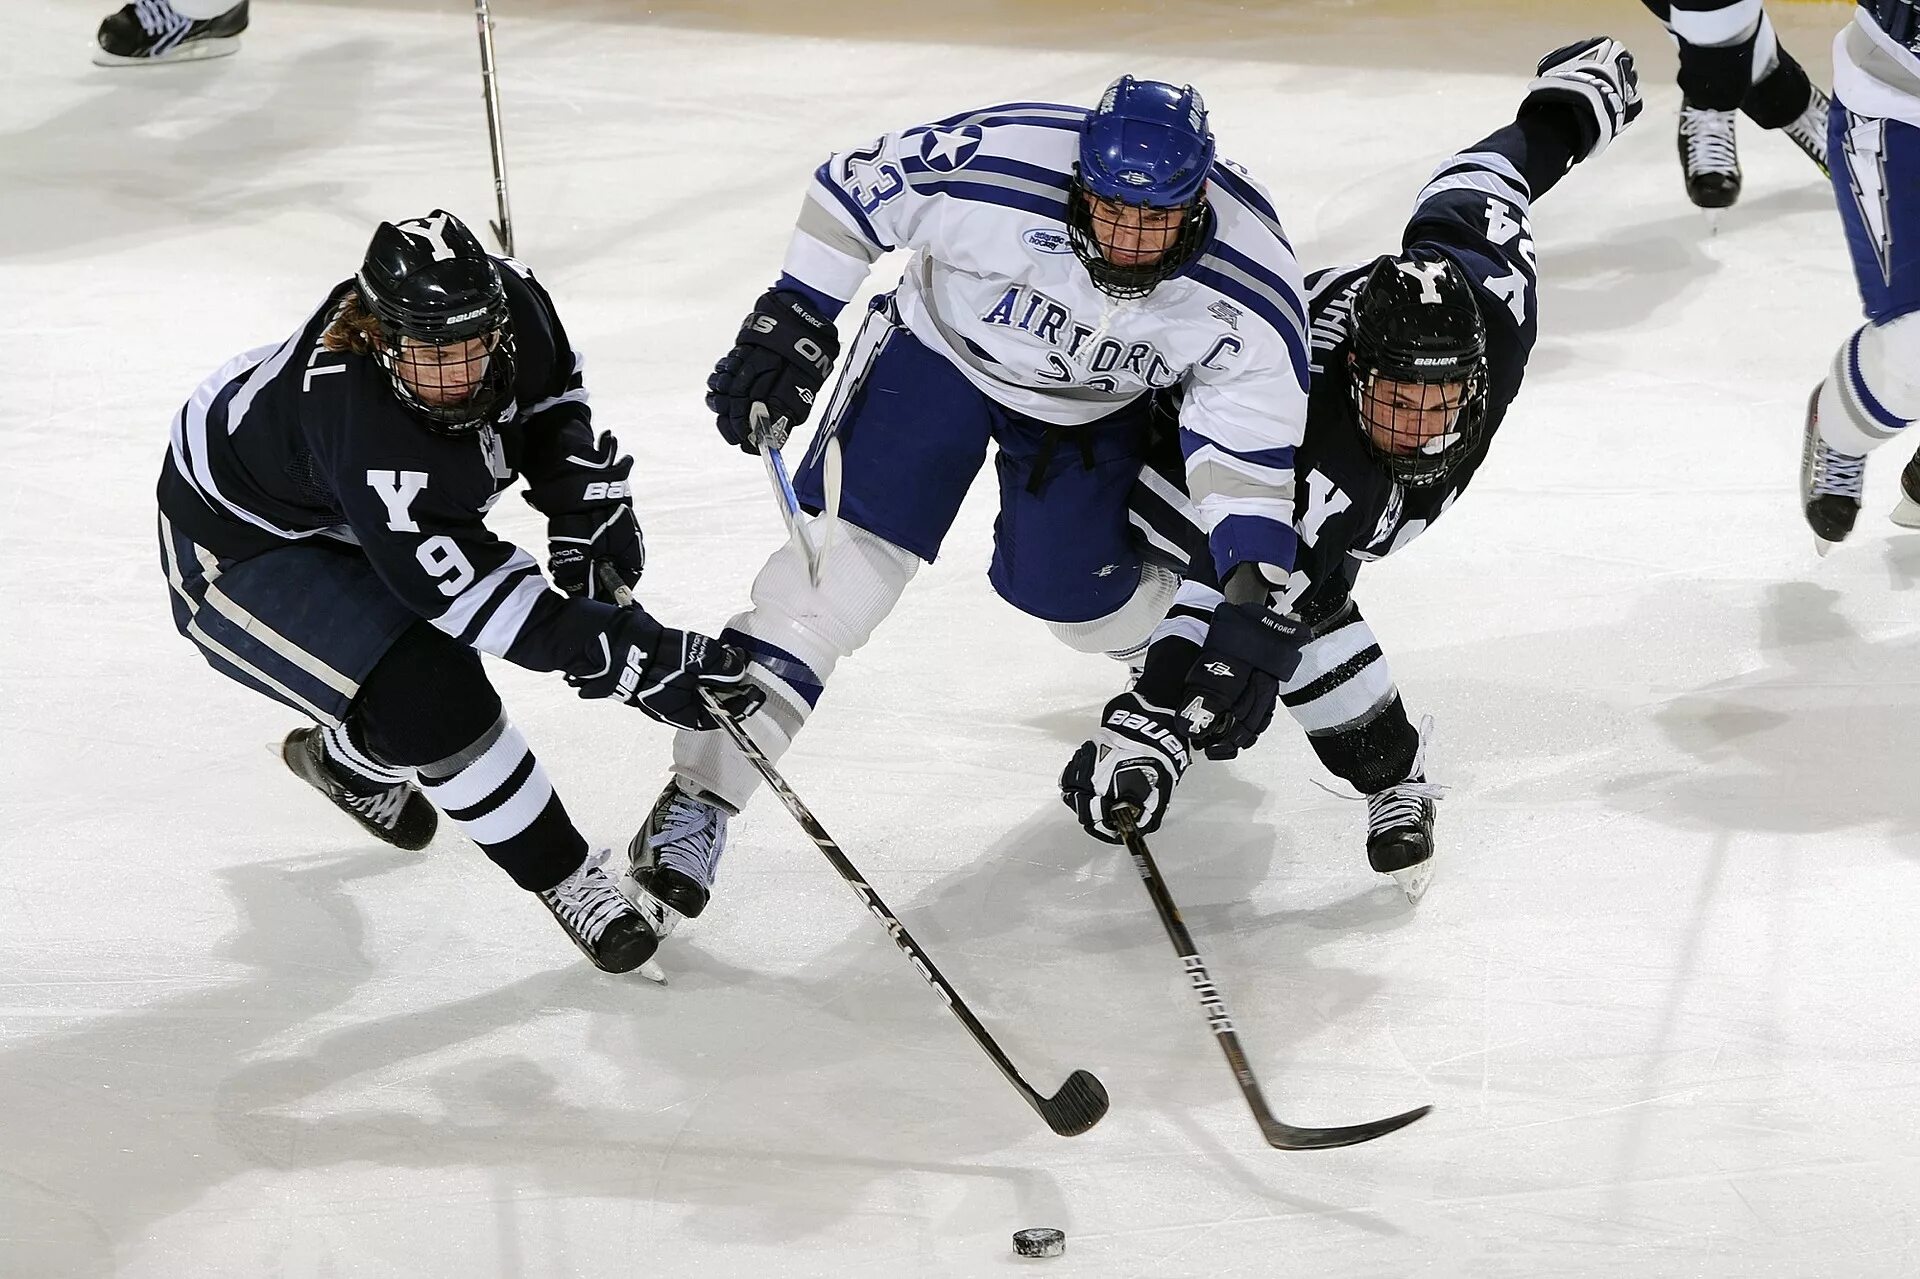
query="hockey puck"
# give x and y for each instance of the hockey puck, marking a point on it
(1040, 1241)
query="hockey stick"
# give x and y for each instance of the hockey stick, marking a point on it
(789, 501)
(1082, 1099)
(496, 137)
(1279, 1135)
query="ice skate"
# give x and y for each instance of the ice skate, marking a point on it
(1830, 484)
(399, 815)
(152, 31)
(1809, 129)
(1907, 514)
(672, 861)
(601, 922)
(1400, 825)
(1709, 159)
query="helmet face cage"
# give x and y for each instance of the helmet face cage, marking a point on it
(1418, 369)
(446, 333)
(1088, 224)
(454, 387)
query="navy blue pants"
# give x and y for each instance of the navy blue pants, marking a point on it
(1876, 182)
(304, 625)
(913, 433)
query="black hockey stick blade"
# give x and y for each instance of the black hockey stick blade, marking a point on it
(1286, 1137)
(1079, 1105)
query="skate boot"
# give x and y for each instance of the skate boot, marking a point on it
(150, 31)
(1809, 129)
(673, 860)
(1830, 483)
(1400, 825)
(399, 815)
(1907, 514)
(602, 923)
(1709, 159)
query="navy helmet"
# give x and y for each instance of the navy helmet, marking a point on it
(1416, 321)
(1147, 145)
(430, 280)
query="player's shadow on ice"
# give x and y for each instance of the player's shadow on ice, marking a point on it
(1821, 739)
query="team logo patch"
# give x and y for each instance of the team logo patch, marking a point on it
(1227, 313)
(945, 150)
(1048, 240)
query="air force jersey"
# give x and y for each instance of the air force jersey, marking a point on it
(1474, 211)
(291, 442)
(980, 202)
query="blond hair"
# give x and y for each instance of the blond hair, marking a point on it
(353, 327)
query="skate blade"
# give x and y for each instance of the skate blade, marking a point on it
(1713, 221)
(199, 51)
(1907, 514)
(1822, 547)
(652, 971)
(1413, 881)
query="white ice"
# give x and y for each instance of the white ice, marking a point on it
(1661, 994)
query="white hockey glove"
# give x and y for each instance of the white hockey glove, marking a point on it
(1134, 760)
(1594, 76)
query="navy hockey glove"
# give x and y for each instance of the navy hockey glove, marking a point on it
(1134, 761)
(590, 522)
(780, 359)
(1231, 690)
(1594, 77)
(660, 670)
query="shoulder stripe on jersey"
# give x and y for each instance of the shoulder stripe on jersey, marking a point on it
(824, 179)
(1044, 113)
(1263, 304)
(1035, 176)
(1243, 191)
(1259, 273)
(220, 403)
(1005, 193)
(576, 392)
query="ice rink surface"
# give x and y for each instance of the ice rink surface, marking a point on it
(1661, 994)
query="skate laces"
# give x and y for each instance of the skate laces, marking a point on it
(157, 17)
(1407, 803)
(383, 807)
(1837, 473)
(586, 901)
(1809, 128)
(688, 839)
(1709, 139)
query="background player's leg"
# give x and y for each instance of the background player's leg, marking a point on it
(1872, 389)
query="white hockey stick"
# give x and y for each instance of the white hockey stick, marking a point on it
(829, 518)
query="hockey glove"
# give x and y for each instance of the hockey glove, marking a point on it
(780, 359)
(590, 522)
(1133, 761)
(660, 670)
(1595, 77)
(1230, 694)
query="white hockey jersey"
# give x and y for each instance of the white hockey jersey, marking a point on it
(1874, 73)
(993, 285)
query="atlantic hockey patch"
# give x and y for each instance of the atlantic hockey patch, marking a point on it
(1048, 240)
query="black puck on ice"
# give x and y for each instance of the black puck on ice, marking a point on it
(1040, 1241)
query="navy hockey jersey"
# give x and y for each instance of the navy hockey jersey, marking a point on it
(293, 441)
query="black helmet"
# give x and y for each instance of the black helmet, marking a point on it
(1415, 320)
(428, 279)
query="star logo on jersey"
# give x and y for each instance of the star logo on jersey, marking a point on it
(945, 150)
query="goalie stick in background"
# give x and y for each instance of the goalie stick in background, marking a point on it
(1872, 389)
(1417, 357)
(1065, 263)
(322, 529)
(1731, 61)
